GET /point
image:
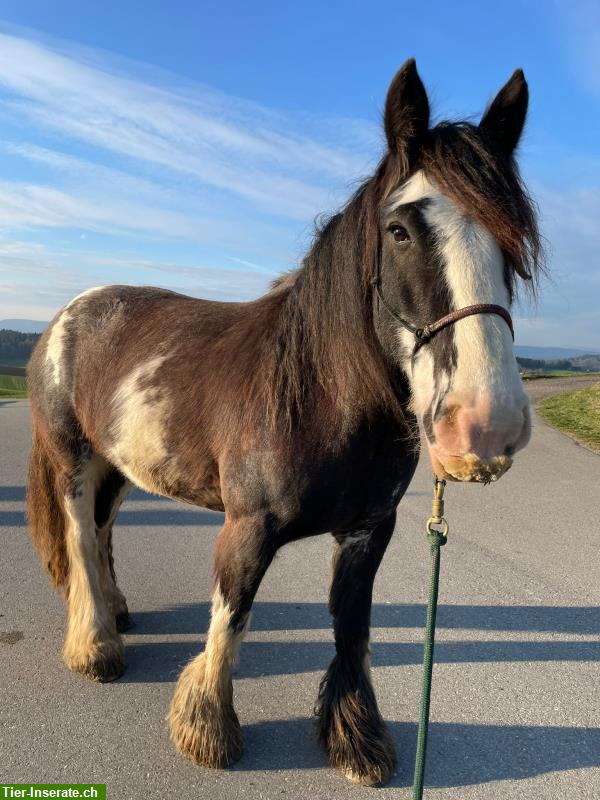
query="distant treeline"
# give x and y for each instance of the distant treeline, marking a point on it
(589, 363)
(15, 347)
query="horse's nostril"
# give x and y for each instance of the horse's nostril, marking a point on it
(509, 450)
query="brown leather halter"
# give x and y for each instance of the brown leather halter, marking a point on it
(425, 334)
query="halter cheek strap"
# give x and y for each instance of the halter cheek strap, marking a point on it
(425, 334)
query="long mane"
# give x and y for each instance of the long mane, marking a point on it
(326, 339)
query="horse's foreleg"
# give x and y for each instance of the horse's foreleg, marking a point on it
(203, 722)
(349, 724)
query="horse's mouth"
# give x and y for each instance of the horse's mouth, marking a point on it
(470, 468)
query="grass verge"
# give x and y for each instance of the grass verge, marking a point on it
(577, 414)
(13, 386)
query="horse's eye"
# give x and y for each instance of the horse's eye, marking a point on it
(399, 233)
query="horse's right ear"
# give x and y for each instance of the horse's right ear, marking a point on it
(406, 116)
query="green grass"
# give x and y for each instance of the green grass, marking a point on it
(577, 414)
(13, 386)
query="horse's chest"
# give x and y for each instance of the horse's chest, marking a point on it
(357, 487)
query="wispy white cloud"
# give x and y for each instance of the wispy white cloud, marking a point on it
(230, 145)
(156, 160)
(36, 281)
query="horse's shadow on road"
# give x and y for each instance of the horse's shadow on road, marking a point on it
(160, 661)
(459, 754)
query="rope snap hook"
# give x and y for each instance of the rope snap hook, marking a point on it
(437, 520)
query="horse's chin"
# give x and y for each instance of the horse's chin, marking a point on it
(470, 468)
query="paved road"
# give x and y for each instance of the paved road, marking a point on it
(516, 701)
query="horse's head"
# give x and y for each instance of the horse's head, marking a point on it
(454, 227)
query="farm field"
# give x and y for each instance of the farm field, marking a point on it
(14, 386)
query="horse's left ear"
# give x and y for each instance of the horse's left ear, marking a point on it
(505, 117)
(406, 116)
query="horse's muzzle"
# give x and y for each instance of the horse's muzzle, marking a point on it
(470, 468)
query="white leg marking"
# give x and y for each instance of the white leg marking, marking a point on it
(222, 644)
(91, 632)
(203, 722)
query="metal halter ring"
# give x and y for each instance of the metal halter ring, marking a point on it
(437, 521)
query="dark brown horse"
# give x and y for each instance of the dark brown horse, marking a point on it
(296, 413)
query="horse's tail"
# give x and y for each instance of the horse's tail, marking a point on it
(46, 512)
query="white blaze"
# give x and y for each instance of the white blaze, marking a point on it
(473, 267)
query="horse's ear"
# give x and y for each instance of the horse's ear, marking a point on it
(505, 117)
(406, 116)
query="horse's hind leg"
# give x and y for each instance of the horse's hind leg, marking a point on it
(92, 645)
(109, 497)
(349, 724)
(203, 722)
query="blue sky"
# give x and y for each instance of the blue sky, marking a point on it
(191, 145)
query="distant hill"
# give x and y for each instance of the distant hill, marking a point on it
(551, 353)
(23, 325)
(588, 363)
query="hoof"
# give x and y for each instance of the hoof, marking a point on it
(368, 763)
(204, 725)
(106, 663)
(351, 729)
(205, 742)
(124, 622)
(365, 774)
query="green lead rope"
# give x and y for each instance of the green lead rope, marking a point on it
(436, 539)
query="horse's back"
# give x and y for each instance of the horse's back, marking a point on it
(109, 327)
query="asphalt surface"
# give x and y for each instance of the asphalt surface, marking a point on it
(515, 707)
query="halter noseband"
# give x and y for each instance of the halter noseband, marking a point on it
(425, 334)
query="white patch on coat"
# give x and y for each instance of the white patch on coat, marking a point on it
(474, 273)
(56, 339)
(423, 379)
(55, 346)
(138, 429)
(85, 294)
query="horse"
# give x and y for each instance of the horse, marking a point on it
(297, 413)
